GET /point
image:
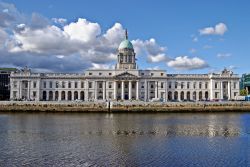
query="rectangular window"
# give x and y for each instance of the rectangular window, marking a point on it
(82, 84)
(34, 94)
(152, 74)
(142, 73)
(194, 85)
(34, 84)
(100, 73)
(188, 85)
(90, 73)
(200, 85)
(76, 84)
(50, 84)
(90, 84)
(100, 85)
(169, 85)
(110, 85)
(206, 85)
(152, 86)
(176, 84)
(110, 73)
(44, 84)
(15, 84)
(235, 85)
(162, 74)
(182, 85)
(63, 84)
(69, 85)
(57, 84)
(14, 94)
(216, 85)
(142, 85)
(162, 85)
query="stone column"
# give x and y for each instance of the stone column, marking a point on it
(156, 89)
(104, 90)
(221, 90)
(137, 90)
(115, 90)
(130, 90)
(95, 90)
(86, 90)
(66, 95)
(146, 90)
(166, 91)
(211, 90)
(122, 93)
(59, 95)
(72, 95)
(28, 92)
(229, 89)
(47, 95)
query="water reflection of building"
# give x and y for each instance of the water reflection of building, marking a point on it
(125, 82)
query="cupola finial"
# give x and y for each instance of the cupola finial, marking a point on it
(126, 34)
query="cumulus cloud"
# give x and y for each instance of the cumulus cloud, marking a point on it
(219, 29)
(101, 66)
(186, 63)
(155, 52)
(224, 55)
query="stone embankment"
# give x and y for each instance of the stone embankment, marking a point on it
(127, 106)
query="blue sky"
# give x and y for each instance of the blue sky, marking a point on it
(175, 27)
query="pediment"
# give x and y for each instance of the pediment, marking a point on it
(125, 76)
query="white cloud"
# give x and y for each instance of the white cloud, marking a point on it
(154, 68)
(219, 29)
(40, 43)
(101, 66)
(83, 30)
(154, 52)
(60, 21)
(224, 55)
(186, 63)
(157, 58)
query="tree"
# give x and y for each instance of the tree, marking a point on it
(243, 92)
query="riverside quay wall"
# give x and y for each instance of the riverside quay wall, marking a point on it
(126, 106)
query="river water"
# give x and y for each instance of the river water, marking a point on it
(214, 139)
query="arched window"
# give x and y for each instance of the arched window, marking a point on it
(175, 95)
(194, 95)
(44, 95)
(75, 95)
(182, 95)
(63, 95)
(69, 95)
(188, 96)
(50, 95)
(169, 95)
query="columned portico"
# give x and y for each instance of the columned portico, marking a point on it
(130, 90)
(137, 90)
(122, 93)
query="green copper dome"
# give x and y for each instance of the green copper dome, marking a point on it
(126, 44)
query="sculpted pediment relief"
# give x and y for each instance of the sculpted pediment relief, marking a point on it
(125, 76)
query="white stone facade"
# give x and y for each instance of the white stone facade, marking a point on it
(125, 82)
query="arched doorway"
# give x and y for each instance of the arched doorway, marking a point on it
(200, 95)
(69, 95)
(182, 95)
(194, 95)
(63, 95)
(206, 95)
(44, 95)
(82, 95)
(169, 95)
(188, 96)
(175, 95)
(50, 95)
(75, 95)
(56, 95)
